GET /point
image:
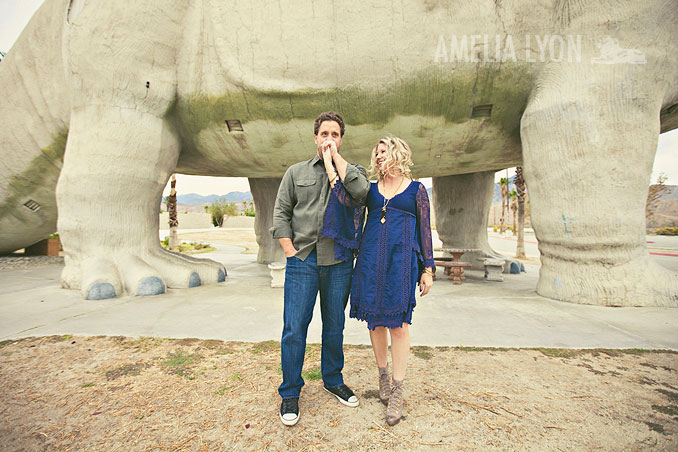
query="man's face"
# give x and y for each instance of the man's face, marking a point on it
(328, 131)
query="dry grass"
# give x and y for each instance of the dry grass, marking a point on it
(147, 394)
(244, 238)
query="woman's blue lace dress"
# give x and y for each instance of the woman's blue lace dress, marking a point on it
(392, 255)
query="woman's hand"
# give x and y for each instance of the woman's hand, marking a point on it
(329, 150)
(331, 147)
(425, 283)
(327, 155)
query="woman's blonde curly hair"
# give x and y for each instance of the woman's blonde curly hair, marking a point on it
(398, 158)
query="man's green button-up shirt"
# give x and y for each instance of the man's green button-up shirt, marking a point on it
(300, 206)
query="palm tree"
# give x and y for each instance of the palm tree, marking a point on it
(654, 194)
(520, 191)
(503, 186)
(514, 207)
(172, 210)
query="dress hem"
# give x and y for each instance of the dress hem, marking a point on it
(395, 320)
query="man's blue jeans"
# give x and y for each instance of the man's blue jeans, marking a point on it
(303, 280)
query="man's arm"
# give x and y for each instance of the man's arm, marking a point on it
(353, 176)
(282, 214)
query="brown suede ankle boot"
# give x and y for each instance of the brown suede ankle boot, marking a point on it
(384, 385)
(394, 412)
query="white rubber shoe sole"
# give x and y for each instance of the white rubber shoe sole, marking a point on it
(289, 419)
(352, 401)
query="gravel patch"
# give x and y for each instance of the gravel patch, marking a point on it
(24, 262)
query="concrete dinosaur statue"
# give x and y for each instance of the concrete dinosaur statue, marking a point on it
(102, 101)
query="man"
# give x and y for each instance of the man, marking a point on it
(311, 265)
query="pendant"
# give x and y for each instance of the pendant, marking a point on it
(383, 215)
(383, 220)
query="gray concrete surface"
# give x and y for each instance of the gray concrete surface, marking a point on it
(245, 308)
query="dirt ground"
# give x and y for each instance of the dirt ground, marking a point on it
(149, 394)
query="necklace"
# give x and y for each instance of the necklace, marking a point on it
(386, 201)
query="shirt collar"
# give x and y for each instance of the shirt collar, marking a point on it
(315, 160)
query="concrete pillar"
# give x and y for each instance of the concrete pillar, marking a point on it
(264, 192)
(462, 205)
(277, 274)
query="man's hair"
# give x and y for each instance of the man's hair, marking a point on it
(328, 116)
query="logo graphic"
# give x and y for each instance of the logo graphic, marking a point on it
(612, 53)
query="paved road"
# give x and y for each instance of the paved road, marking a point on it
(477, 313)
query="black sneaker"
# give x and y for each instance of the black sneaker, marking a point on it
(344, 394)
(289, 411)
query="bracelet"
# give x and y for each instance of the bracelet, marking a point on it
(428, 271)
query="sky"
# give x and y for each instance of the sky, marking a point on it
(15, 14)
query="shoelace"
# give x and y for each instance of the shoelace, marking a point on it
(396, 399)
(290, 405)
(344, 392)
(384, 385)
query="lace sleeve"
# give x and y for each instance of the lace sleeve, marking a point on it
(344, 197)
(343, 222)
(424, 225)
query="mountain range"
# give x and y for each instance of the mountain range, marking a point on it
(193, 199)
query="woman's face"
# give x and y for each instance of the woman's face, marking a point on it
(380, 157)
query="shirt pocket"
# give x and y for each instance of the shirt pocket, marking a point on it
(306, 189)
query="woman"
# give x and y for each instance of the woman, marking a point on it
(395, 252)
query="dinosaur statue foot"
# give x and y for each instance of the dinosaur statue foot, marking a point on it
(141, 274)
(639, 282)
(204, 268)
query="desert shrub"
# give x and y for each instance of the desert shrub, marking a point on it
(219, 209)
(199, 246)
(667, 231)
(184, 247)
(193, 246)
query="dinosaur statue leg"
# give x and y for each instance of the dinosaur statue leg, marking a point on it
(120, 153)
(116, 165)
(462, 204)
(264, 192)
(588, 149)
